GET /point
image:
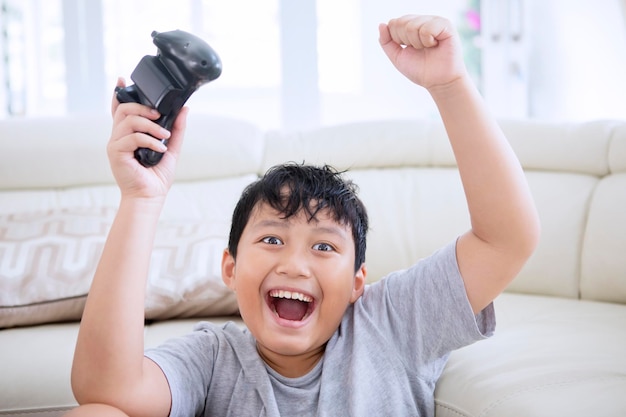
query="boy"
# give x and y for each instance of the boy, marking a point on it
(319, 341)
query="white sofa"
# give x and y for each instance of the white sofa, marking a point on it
(560, 344)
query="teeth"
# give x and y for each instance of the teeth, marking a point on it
(291, 295)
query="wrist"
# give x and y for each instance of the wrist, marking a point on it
(143, 206)
(459, 86)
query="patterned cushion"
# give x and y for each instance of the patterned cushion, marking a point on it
(48, 258)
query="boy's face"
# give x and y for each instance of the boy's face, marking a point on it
(294, 280)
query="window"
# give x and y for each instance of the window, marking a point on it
(31, 47)
(247, 43)
(286, 63)
(304, 63)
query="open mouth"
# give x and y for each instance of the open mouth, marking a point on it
(290, 305)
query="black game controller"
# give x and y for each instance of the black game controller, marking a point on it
(183, 63)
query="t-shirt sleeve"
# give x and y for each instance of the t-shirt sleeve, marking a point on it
(187, 364)
(426, 309)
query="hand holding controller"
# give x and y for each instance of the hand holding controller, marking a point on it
(183, 63)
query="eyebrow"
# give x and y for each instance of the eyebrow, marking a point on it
(337, 231)
(284, 224)
(271, 223)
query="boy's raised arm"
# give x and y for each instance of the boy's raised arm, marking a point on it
(109, 364)
(504, 223)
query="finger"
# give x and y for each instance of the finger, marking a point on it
(419, 32)
(434, 30)
(178, 131)
(125, 110)
(181, 120)
(129, 143)
(398, 29)
(121, 83)
(407, 30)
(134, 123)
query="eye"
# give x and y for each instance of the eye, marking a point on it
(323, 247)
(272, 240)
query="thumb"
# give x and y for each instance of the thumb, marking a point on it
(121, 83)
(178, 131)
(391, 48)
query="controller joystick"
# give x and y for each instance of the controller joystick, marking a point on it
(183, 63)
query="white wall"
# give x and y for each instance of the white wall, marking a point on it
(578, 59)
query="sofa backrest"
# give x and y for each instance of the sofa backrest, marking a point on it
(43, 153)
(406, 173)
(408, 180)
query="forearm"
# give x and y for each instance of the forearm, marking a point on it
(504, 223)
(109, 350)
(501, 208)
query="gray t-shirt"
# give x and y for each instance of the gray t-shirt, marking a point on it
(383, 360)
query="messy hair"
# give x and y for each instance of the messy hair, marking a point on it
(291, 188)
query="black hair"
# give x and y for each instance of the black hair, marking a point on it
(290, 188)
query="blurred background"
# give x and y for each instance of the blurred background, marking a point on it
(306, 63)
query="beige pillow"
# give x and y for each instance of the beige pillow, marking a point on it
(48, 258)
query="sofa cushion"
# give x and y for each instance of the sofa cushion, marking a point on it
(562, 201)
(48, 255)
(549, 357)
(603, 262)
(434, 213)
(49, 258)
(34, 385)
(617, 150)
(587, 145)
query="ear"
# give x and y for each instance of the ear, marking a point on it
(360, 279)
(228, 269)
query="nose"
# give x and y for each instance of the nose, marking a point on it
(294, 263)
